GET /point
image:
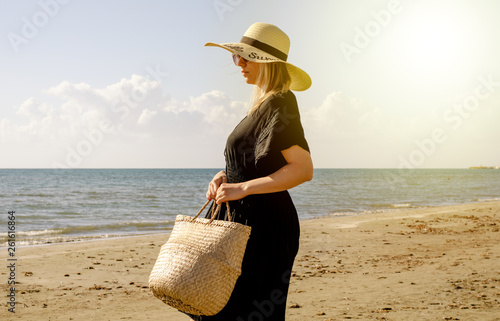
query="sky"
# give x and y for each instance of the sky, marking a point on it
(129, 84)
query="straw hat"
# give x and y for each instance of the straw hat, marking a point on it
(265, 43)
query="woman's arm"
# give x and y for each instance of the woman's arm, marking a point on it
(298, 170)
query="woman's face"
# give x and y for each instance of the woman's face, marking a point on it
(249, 69)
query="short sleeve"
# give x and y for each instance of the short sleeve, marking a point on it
(282, 130)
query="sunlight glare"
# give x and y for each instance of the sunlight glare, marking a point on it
(436, 44)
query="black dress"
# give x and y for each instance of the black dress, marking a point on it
(254, 150)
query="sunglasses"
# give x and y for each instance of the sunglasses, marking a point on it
(236, 59)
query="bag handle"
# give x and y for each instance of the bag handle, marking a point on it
(215, 211)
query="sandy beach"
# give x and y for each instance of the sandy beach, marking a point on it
(436, 263)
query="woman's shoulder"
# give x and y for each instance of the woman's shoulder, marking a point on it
(287, 96)
(279, 100)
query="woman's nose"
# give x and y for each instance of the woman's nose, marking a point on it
(241, 62)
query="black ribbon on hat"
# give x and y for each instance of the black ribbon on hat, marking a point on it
(264, 47)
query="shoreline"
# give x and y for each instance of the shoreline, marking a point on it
(88, 239)
(411, 264)
(84, 239)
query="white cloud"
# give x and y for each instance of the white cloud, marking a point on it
(146, 116)
(131, 115)
(342, 117)
(345, 132)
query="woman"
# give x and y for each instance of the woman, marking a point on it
(266, 155)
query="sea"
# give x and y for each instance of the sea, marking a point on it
(69, 205)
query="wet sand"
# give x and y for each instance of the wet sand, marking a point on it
(436, 263)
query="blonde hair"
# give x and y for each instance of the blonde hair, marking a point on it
(273, 78)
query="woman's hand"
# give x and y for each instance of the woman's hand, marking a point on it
(299, 169)
(213, 186)
(230, 192)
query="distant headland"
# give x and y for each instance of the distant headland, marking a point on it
(484, 167)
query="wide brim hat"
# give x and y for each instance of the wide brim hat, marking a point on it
(265, 43)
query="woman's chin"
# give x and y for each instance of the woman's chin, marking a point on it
(249, 81)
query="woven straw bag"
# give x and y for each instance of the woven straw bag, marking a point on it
(198, 266)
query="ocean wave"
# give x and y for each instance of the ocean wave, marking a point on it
(386, 205)
(341, 214)
(68, 213)
(487, 199)
(40, 232)
(34, 195)
(130, 225)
